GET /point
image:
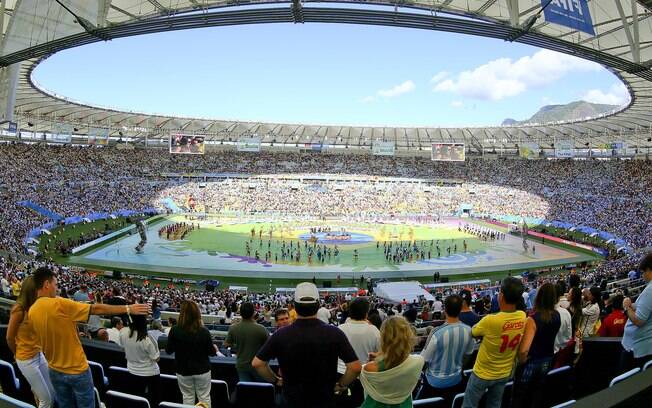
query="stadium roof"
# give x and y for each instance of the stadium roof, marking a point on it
(622, 42)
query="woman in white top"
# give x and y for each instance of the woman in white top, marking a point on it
(142, 355)
(591, 312)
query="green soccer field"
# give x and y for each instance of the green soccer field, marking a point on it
(233, 239)
(217, 248)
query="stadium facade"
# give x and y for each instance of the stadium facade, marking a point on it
(615, 34)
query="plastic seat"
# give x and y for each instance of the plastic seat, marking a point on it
(116, 399)
(220, 396)
(8, 402)
(557, 385)
(100, 380)
(120, 379)
(436, 402)
(565, 404)
(624, 376)
(170, 391)
(647, 365)
(507, 395)
(458, 400)
(8, 381)
(254, 395)
(98, 401)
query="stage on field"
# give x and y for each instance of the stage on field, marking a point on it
(326, 249)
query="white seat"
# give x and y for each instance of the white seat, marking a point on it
(647, 365)
(624, 376)
(10, 368)
(428, 402)
(565, 404)
(116, 395)
(99, 367)
(8, 402)
(98, 402)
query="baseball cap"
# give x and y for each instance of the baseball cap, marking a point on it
(306, 292)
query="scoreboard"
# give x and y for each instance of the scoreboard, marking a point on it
(186, 144)
(447, 152)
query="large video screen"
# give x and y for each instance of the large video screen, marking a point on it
(186, 144)
(447, 152)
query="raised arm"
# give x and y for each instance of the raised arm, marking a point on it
(103, 309)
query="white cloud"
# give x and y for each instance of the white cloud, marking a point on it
(439, 76)
(616, 95)
(503, 78)
(405, 87)
(457, 104)
(368, 99)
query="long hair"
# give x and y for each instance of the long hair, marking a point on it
(138, 325)
(27, 295)
(544, 304)
(575, 307)
(189, 317)
(596, 295)
(396, 341)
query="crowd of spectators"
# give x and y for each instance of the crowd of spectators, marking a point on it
(606, 195)
(372, 339)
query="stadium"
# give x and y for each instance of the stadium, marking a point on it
(453, 249)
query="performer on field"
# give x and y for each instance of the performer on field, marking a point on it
(142, 231)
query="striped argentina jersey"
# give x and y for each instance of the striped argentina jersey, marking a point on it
(444, 354)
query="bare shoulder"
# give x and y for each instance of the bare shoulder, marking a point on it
(371, 367)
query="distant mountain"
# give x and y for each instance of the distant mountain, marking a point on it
(572, 111)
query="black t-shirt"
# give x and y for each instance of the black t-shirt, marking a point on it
(191, 350)
(307, 353)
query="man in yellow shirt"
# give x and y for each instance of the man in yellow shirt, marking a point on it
(54, 321)
(501, 335)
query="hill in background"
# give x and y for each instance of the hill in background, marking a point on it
(572, 111)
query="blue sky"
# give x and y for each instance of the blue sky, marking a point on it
(326, 74)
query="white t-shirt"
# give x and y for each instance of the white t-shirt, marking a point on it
(141, 355)
(114, 335)
(437, 306)
(324, 314)
(565, 330)
(364, 338)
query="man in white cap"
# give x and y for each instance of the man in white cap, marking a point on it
(307, 353)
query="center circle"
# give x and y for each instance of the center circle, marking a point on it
(337, 238)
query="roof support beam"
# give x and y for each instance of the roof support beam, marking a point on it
(485, 6)
(159, 6)
(631, 38)
(512, 6)
(125, 12)
(2, 18)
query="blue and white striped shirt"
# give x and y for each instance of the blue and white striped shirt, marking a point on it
(444, 354)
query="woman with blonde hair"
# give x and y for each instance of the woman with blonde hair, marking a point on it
(22, 341)
(192, 346)
(389, 380)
